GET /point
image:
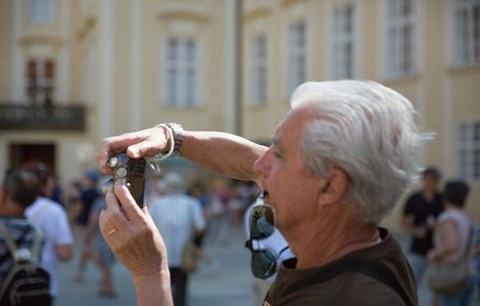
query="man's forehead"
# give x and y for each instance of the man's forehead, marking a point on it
(287, 132)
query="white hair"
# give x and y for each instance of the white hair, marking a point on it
(369, 131)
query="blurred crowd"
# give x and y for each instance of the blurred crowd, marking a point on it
(444, 240)
(221, 202)
(201, 210)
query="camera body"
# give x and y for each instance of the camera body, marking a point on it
(130, 172)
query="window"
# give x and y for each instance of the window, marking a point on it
(259, 70)
(297, 57)
(466, 32)
(469, 150)
(343, 42)
(40, 80)
(181, 73)
(400, 37)
(41, 11)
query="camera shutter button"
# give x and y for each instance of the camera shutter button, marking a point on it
(113, 162)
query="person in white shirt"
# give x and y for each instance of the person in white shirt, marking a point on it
(52, 220)
(179, 217)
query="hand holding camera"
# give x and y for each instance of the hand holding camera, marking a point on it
(131, 173)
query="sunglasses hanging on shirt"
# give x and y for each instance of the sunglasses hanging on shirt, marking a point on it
(261, 224)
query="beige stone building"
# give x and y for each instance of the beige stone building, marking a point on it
(75, 71)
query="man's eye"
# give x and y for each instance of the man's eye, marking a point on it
(276, 154)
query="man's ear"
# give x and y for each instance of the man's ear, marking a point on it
(334, 187)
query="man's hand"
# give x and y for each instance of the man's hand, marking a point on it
(137, 144)
(131, 234)
(133, 237)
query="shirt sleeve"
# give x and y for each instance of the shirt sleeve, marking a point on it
(60, 229)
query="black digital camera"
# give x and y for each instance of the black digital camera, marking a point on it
(130, 172)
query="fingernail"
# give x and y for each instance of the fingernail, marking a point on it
(133, 152)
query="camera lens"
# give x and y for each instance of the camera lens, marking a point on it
(121, 173)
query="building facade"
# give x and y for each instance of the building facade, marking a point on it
(105, 67)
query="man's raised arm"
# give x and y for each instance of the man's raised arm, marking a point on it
(223, 153)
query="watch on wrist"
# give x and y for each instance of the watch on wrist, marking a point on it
(177, 132)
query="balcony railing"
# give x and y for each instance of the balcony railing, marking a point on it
(41, 117)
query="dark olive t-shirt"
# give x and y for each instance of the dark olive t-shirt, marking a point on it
(377, 275)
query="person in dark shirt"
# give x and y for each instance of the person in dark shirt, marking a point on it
(419, 216)
(19, 190)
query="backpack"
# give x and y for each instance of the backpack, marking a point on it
(26, 283)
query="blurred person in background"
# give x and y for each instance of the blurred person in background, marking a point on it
(179, 217)
(453, 237)
(238, 202)
(88, 195)
(72, 198)
(18, 191)
(419, 217)
(158, 189)
(102, 255)
(199, 192)
(218, 212)
(56, 191)
(52, 220)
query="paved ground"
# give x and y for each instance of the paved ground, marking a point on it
(231, 286)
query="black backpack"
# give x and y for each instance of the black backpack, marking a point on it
(27, 283)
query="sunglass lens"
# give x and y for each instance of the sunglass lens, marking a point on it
(262, 222)
(263, 264)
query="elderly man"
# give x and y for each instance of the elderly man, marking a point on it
(339, 161)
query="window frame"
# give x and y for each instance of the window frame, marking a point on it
(295, 53)
(341, 38)
(468, 147)
(40, 77)
(259, 69)
(186, 66)
(466, 49)
(395, 62)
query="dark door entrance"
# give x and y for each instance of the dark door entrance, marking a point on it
(20, 153)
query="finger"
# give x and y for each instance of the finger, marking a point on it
(103, 221)
(145, 148)
(146, 213)
(120, 143)
(106, 228)
(128, 204)
(113, 214)
(116, 144)
(102, 157)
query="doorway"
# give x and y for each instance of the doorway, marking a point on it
(21, 153)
